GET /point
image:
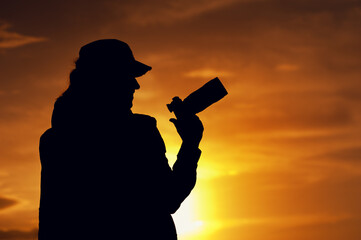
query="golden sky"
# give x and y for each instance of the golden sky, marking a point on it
(281, 153)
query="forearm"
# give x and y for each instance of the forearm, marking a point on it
(187, 158)
(184, 174)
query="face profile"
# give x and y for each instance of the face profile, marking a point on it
(118, 91)
(107, 68)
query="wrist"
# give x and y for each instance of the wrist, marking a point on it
(190, 144)
(189, 152)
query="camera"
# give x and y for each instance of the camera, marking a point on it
(197, 101)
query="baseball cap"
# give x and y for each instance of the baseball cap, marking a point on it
(110, 55)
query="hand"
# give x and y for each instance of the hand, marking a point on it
(190, 129)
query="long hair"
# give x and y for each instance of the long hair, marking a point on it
(80, 79)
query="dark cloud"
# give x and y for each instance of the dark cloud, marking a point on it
(345, 155)
(350, 94)
(145, 13)
(6, 202)
(18, 235)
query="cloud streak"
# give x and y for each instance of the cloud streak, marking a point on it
(6, 203)
(207, 73)
(160, 12)
(10, 39)
(348, 155)
(18, 234)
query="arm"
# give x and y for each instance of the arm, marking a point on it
(184, 174)
(182, 178)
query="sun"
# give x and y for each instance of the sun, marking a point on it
(186, 218)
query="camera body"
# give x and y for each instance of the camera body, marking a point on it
(209, 93)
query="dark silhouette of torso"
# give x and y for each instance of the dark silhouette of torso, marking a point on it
(105, 176)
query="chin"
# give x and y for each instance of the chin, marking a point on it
(129, 105)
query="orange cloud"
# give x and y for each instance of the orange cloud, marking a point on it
(207, 73)
(287, 67)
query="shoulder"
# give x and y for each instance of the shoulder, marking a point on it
(49, 141)
(46, 145)
(144, 119)
(150, 133)
(47, 136)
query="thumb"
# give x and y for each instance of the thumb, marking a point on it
(174, 121)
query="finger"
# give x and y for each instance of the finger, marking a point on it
(174, 121)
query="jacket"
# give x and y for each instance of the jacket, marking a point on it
(107, 177)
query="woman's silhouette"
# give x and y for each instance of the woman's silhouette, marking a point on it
(104, 171)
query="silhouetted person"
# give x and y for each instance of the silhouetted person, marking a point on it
(104, 170)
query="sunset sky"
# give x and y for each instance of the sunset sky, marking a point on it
(281, 153)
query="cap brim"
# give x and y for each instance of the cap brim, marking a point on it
(139, 69)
